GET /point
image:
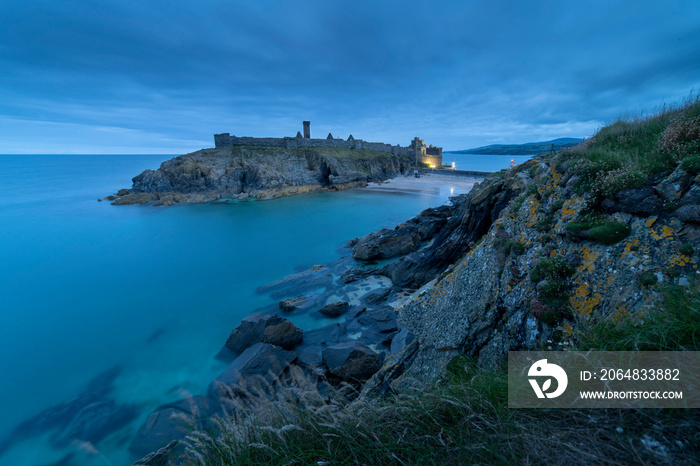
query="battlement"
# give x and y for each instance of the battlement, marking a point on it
(418, 150)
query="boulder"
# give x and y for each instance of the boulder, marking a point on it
(376, 297)
(382, 320)
(264, 328)
(96, 420)
(386, 244)
(292, 304)
(167, 424)
(671, 188)
(351, 361)
(353, 275)
(642, 201)
(335, 309)
(688, 213)
(261, 362)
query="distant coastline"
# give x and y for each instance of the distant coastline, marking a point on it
(530, 148)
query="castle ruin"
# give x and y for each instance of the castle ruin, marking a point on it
(422, 154)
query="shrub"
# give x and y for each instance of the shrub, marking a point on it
(647, 278)
(517, 247)
(682, 137)
(545, 224)
(610, 232)
(551, 269)
(686, 249)
(691, 164)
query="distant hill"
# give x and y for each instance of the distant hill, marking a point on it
(530, 148)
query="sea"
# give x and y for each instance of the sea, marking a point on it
(144, 297)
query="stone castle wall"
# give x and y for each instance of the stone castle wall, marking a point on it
(417, 149)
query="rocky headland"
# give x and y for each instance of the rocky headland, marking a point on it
(258, 172)
(532, 258)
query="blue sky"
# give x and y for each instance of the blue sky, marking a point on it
(105, 76)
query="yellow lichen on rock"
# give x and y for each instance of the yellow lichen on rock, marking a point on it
(589, 257)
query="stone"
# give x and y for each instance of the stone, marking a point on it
(108, 198)
(386, 244)
(264, 328)
(382, 320)
(163, 456)
(402, 339)
(292, 304)
(642, 201)
(670, 188)
(97, 420)
(353, 275)
(692, 196)
(131, 199)
(688, 213)
(335, 309)
(376, 297)
(123, 192)
(262, 362)
(352, 243)
(351, 361)
(168, 424)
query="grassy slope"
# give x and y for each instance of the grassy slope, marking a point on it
(465, 419)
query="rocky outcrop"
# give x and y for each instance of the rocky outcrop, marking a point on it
(405, 238)
(496, 279)
(471, 216)
(243, 172)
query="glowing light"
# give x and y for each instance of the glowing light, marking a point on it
(454, 165)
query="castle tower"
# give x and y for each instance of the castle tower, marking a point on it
(307, 130)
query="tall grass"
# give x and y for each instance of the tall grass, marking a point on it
(462, 420)
(650, 145)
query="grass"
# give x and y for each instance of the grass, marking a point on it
(465, 418)
(673, 326)
(625, 153)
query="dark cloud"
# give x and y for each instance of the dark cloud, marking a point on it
(460, 73)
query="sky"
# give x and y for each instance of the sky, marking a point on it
(104, 76)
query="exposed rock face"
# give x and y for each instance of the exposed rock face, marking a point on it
(405, 238)
(264, 328)
(259, 172)
(473, 214)
(479, 299)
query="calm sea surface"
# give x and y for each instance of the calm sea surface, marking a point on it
(86, 286)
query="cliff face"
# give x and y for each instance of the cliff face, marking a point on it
(532, 273)
(260, 172)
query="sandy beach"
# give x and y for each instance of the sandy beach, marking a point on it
(440, 185)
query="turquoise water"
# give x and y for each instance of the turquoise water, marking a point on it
(482, 162)
(86, 286)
